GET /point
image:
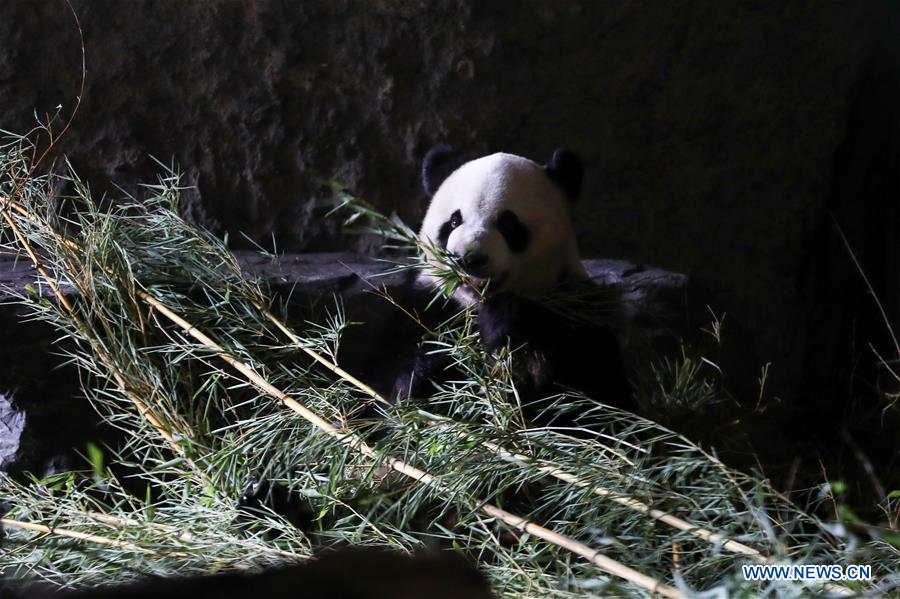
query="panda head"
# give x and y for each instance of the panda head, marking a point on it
(505, 218)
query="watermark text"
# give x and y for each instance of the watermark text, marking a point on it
(800, 572)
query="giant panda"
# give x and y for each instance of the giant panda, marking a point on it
(507, 223)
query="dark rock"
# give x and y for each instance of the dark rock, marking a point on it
(316, 274)
(18, 276)
(709, 133)
(718, 138)
(57, 419)
(654, 301)
(12, 425)
(44, 419)
(344, 574)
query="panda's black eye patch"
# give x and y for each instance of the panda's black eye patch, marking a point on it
(444, 234)
(514, 232)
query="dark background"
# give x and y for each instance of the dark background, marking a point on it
(725, 140)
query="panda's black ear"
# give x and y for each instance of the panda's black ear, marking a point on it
(566, 170)
(439, 162)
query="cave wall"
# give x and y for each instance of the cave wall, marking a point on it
(710, 130)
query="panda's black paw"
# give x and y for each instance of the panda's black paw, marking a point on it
(418, 381)
(497, 319)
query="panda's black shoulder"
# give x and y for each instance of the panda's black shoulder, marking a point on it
(570, 346)
(554, 319)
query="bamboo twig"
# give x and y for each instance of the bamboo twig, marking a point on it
(368, 390)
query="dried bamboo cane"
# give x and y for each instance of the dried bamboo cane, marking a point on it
(184, 537)
(82, 536)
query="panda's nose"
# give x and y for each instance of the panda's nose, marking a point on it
(474, 263)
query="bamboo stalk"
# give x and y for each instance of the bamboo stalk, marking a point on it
(636, 505)
(73, 534)
(368, 390)
(183, 536)
(592, 555)
(117, 522)
(88, 537)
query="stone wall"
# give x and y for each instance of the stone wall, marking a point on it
(710, 130)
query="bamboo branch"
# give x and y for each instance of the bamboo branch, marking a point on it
(350, 439)
(74, 534)
(328, 364)
(638, 506)
(356, 443)
(183, 536)
(560, 474)
(554, 471)
(145, 411)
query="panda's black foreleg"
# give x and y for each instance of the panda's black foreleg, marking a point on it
(505, 318)
(499, 319)
(418, 379)
(554, 351)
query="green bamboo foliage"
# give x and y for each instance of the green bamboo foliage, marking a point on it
(199, 430)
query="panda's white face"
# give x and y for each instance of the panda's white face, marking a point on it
(507, 222)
